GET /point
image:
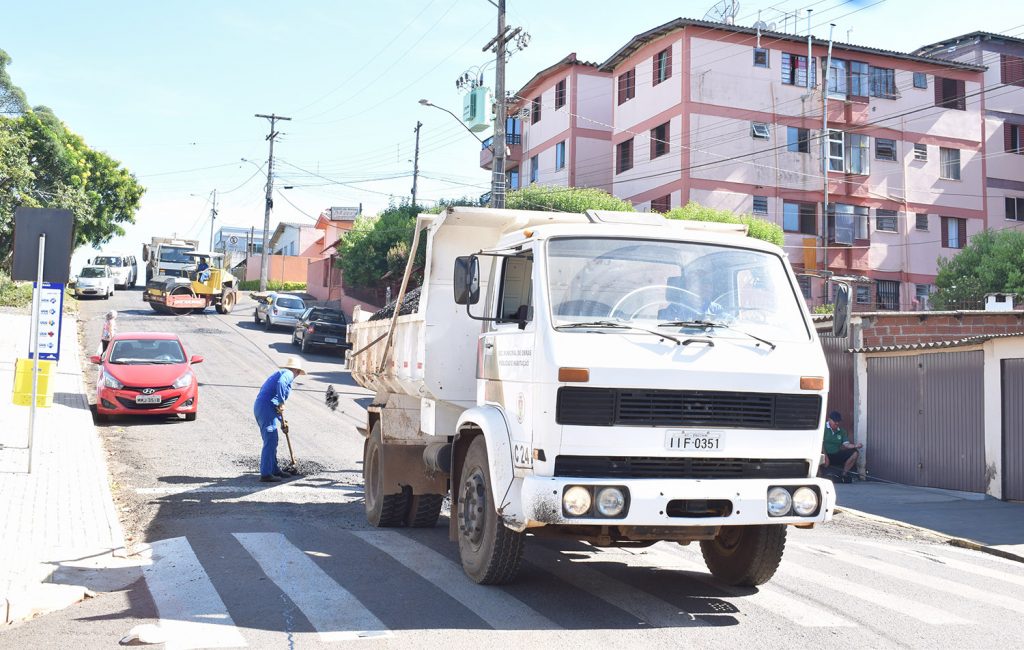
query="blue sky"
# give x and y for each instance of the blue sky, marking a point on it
(170, 88)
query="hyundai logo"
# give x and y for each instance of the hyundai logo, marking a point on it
(148, 391)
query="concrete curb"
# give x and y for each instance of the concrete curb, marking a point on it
(960, 542)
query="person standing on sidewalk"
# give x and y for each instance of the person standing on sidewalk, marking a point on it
(838, 448)
(109, 329)
(269, 411)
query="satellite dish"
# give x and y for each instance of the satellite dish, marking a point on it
(723, 12)
(771, 27)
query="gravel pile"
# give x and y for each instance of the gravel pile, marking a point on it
(410, 305)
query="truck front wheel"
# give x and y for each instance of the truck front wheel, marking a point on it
(745, 556)
(490, 552)
(382, 510)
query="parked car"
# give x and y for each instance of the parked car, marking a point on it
(279, 309)
(146, 373)
(321, 326)
(94, 281)
(123, 268)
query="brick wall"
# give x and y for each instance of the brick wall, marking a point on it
(929, 327)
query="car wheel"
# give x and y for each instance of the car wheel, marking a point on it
(256, 317)
(190, 417)
(267, 324)
(295, 341)
(305, 345)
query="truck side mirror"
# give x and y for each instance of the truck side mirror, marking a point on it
(841, 311)
(145, 252)
(467, 280)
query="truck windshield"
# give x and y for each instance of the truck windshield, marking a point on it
(108, 261)
(176, 255)
(673, 285)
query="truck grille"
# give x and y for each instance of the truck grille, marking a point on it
(686, 408)
(623, 467)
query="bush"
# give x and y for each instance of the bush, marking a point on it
(827, 308)
(14, 294)
(272, 285)
(756, 228)
(562, 199)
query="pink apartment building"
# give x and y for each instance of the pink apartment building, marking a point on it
(726, 116)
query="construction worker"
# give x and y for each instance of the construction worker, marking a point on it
(269, 412)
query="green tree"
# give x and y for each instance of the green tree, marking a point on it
(16, 179)
(756, 228)
(564, 199)
(12, 98)
(992, 262)
(374, 252)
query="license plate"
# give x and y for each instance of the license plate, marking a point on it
(330, 339)
(154, 292)
(148, 399)
(694, 440)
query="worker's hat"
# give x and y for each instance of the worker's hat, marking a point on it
(295, 365)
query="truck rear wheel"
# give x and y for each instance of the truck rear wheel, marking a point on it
(226, 303)
(745, 556)
(424, 509)
(490, 552)
(382, 510)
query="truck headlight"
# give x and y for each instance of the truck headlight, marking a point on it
(780, 502)
(610, 501)
(183, 381)
(805, 501)
(576, 501)
(110, 381)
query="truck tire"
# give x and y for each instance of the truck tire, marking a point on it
(424, 509)
(745, 556)
(149, 274)
(227, 301)
(382, 510)
(489, 551)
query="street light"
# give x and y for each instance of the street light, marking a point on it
(426, 102)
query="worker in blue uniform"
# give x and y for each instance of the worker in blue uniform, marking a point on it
(269, 412)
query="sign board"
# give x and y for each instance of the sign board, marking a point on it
(344, 213)
(51, 315)
(29, 224)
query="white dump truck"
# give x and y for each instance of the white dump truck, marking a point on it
(618, 378)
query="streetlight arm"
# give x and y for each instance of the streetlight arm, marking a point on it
(426, 102)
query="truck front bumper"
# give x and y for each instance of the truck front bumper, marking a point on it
(673, 502)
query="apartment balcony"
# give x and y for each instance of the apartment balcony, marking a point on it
(514, 155)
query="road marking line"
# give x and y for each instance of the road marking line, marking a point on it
(192, 614)
(497, 608)
(955, 589)
(778, 603)
(920, 554)
(336, 614)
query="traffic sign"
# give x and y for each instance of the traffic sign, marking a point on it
(51, 317)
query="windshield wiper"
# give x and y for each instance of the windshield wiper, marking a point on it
(715, 324)
(614, 325)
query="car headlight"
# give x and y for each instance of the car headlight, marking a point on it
(805, 501)
(610, 501)
(184, 381)
(780, 502)
(110, 381)
(576, 501)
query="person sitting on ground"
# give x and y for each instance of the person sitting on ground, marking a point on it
(837, 446)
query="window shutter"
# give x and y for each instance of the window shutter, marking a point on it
(654, 68)
(961, 232)
(622, 88)
(668, 63)
(1008, 138)
(961, 95)
(939, 83)
(1004, 69)
(945, 232)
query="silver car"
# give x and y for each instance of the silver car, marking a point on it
(279, 309)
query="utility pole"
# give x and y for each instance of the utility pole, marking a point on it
(213, 218)
(416, 165)
(265, 259)
(498, 172)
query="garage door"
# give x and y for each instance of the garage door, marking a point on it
(1013, 429)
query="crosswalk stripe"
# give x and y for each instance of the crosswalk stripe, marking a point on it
(797, 610)
(497, 608)
(955, 589)
(336, 614)
(192, 614)
(966, 567)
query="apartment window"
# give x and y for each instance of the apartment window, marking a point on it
(805, 286)
(949, 164)
(921, 152)
(920, 80)
(760, 131)
(560, 155)
(921, 293)
(512, 179)
(836, 160)
(888, 292)
(954, 232)
(662, 204)
(863, 294)
(560, 94)
(847, 223)
(848, 152)
(627, 86)
(1012, 138)
(885, 149)
(798, 140)
(761, 205)
(535, 110)
(659, 141)
(1011, 69)
(921, 221)
(883, 83)
(800, 217)
(662, 66)
(886, 220)
(624, 156)
(534, 169)
(838, 79)
(1015, 208)
(949, 93)
(760, 57)
(794, 70)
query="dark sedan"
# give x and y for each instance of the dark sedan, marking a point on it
(321, 326)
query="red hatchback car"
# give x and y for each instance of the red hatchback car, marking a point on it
(146, 373)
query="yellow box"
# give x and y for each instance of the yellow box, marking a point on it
(23, 383)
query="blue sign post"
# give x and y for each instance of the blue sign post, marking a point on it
(51, 316)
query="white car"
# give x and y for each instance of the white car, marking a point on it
(279, 309)
(123, 268)
(94, 281)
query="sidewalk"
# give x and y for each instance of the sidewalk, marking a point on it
(62, 515)
(979, 521)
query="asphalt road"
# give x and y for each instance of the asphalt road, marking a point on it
(225, 561)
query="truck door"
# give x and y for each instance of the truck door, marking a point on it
(508, 347)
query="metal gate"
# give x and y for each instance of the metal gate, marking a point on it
(926, 420)
(1013, 428)
(840, 376)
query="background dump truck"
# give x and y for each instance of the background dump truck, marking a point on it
(167, 256)
(617, 378)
